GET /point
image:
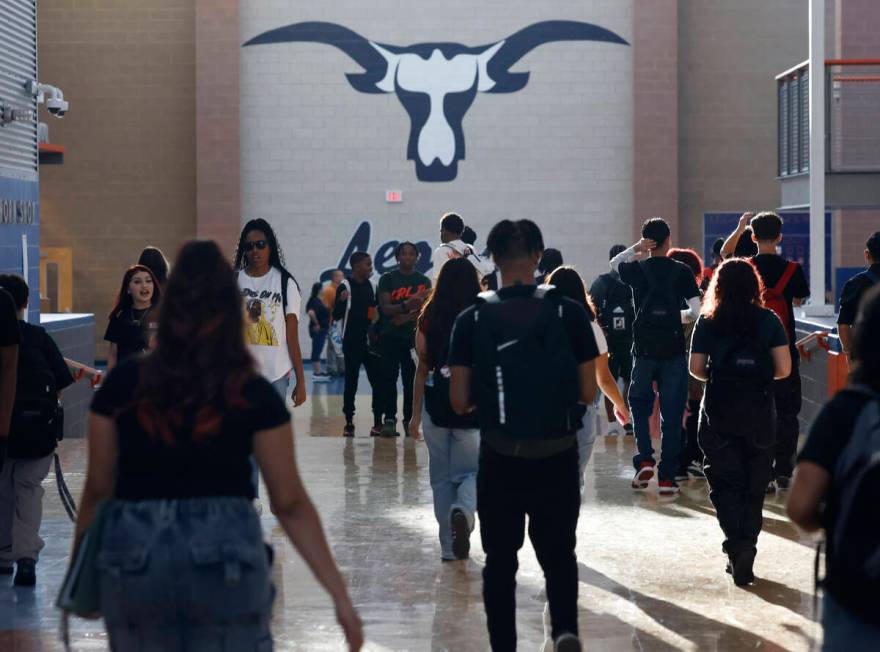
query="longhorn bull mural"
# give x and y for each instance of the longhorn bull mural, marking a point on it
(437, 82)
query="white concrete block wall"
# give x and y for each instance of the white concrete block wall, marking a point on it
(318, 156)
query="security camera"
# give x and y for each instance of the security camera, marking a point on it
(57, 106)
(55, 101)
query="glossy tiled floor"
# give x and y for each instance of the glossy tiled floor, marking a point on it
(652, 573)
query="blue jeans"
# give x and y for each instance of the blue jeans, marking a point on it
(318, 339)
(844, 631)
(586, 438)
(672, 380)
(188, 574)
(282, 386)
(453, 458)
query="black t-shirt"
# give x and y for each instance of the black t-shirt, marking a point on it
(9, 335)
(574, 318)
(363, 300)
(149, 469)
(771, 268)
(401, 287)
(130, 331)
(852, 293)
(38, 348)
(635, 274)
(829, 435)
(321, 312)
(766, 328)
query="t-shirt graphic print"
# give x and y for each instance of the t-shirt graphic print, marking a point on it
(265, 320)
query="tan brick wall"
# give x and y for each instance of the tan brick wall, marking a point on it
(217, 120)
(729, 55)
(655, 112)
(129, 177)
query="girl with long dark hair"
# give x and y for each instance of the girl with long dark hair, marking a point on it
(453, 441)
(832, 491)
(153, 258)
(571, 285)
(182, 562)
(132, 321)
(272, 306)
(319, 325)
(738, 349)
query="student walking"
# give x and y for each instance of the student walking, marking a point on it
(523, 358)
(691, 457)
(335, 361)
(401, 293)
(453, 246)
(836, 487)
(569, 284)
(170, 437)
(10, 337)
(33, 436)
(453, 440)
(785, 286)
(660, 287)
(615, 314)
(133, 320)
(272, 307)
(854, 289)
(355, 311)
(738, 348)
(319, 324)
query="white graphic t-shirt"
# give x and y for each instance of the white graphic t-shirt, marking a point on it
(265, 325)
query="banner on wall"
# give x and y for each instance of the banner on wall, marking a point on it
(795, 237)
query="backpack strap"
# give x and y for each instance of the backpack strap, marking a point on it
(782, 283)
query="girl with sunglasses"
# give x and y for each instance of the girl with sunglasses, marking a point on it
(272, 303)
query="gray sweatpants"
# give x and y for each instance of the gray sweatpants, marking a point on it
(21, 508)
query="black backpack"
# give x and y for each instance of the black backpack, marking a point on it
(853, 561)
(657, 330)
(525, 384)
(37, 417)
(616, 313)
(437, 397)
(739, 397)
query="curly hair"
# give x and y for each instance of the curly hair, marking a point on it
(735, 286)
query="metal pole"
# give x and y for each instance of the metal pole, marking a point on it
(817, 156)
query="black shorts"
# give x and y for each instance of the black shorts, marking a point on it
(620, 364)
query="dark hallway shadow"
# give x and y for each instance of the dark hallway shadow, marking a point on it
(781, 595)
(690, 625)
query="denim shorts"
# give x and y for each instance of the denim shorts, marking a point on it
(189, 574)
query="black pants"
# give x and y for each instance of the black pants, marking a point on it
(738, 471)
(355, 351)
(690, 447)
(788, 405)
(396, 357)
(547, 490)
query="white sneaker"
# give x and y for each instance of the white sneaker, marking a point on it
(614, 429)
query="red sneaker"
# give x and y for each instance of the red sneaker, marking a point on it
(643, 476)
(667, 487)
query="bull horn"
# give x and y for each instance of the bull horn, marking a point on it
(516, 46)
(353, 44)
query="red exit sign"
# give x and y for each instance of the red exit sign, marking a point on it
(393, 196)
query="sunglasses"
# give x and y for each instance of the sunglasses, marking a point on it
(256, 244)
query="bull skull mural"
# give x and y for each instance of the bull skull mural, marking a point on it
(437, 82)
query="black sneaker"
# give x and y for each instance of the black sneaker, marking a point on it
(743, 573)
(461, 534)
(348, 431)
(628, 429)
(568, 643)
(26, 572)
(406, 428)
(388, 428)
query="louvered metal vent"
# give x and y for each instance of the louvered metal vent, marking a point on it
(18, 65)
